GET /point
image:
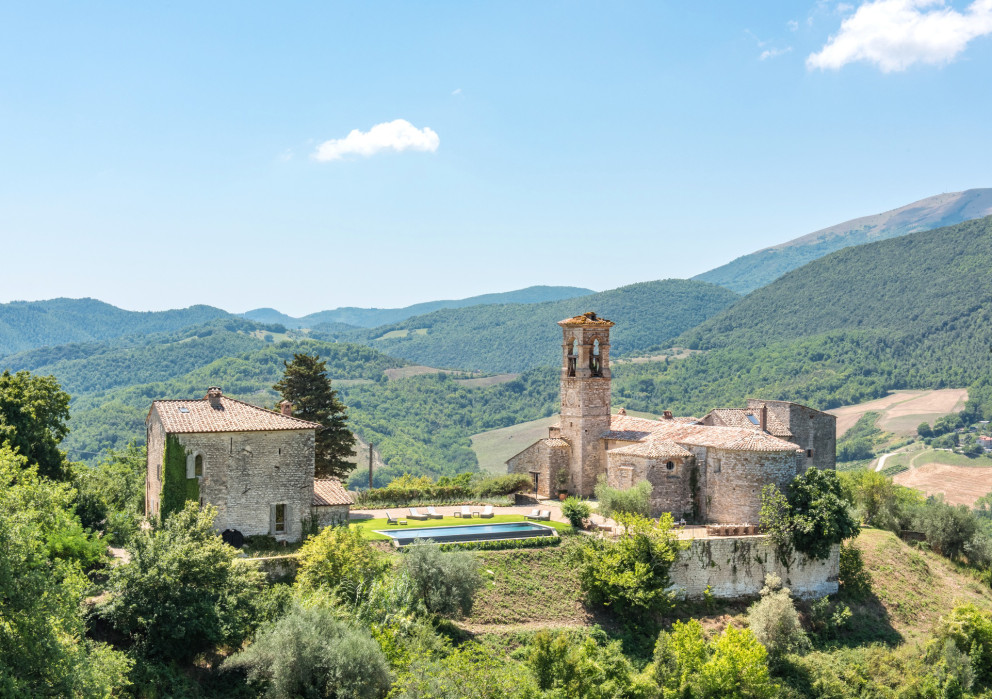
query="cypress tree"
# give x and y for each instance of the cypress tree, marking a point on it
(306, 385)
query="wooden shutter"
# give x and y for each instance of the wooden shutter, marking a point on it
(272, 520)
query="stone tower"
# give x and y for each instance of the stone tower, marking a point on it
(585, 397)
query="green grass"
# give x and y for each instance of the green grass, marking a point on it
(370, 525)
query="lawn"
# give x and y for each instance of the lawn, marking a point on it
(370, 525)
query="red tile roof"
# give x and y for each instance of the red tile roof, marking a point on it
(587, 318)
(736, 417)
(330, 492)
(653, 448)
(688, 431)
(193, 416)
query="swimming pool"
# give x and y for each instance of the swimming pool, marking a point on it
(469, 532)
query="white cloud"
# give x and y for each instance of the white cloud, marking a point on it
(895, 34)
(456, 91)
(792, 24)
(773, 53)
(398, 135)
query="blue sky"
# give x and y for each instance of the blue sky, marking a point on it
(159, 155)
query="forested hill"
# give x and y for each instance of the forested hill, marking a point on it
(28, 324)
(760, 268)
(372, 317)
(911, 312)
(517, 337)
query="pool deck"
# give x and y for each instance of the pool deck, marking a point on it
(690, 531)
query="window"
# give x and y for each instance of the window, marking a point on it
(198, 466)
(715, 463)
(809, 453)
(280, 520)
(670, 466)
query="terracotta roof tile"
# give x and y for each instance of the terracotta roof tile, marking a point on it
(330, 492)
(193, 416)
(556, 442)
(736, 417)
(587, 318)
(734, 438)
(654, 448)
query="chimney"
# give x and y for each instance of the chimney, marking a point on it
(213, 395)
(667, 415)
(554, 433)
(286, 408)
(763, 418)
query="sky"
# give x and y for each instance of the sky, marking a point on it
(306, 156)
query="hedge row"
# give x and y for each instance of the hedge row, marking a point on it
(438, 494)
(502, 544)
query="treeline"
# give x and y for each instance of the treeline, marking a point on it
(518, 337)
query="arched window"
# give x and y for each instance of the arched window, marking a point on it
(198, 466)
(594, 361)
(573, 357)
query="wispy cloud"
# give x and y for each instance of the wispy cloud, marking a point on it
(398, 135)
(792, 24)
(773, 53)
(895, 34)
(456, 91)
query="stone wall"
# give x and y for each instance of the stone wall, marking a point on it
(155, 439)
(331, 515)
(735, 567)
(734, 480)
(813, 431)
(245, 474)
(670, 490)
(545, 461)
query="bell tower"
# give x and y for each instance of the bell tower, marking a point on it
(585, 397)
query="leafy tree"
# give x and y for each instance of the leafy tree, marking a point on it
(33, 415)
(582, 668)
(855, 578)
(339, 556)
(631, 574)
(970, 628)
(310, 652)
(43, 646)
(634, 500)
(444, 582)
(307, 386)
(774, 620)
(924, 430)
(471, 671)
(811, 518)
(112, 494)
(948, 528)
(184, 590)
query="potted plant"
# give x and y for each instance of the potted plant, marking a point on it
(561, 480)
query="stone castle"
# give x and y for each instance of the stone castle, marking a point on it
(709, 469)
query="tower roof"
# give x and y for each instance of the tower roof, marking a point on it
(587, 319)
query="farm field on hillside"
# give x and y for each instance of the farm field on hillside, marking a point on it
(902, 411)
(960, 485)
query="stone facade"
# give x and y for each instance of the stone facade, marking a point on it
(734, 480)
(331, 515)
(813, 431)
(734, 567)
(543, 460)
(255, 466)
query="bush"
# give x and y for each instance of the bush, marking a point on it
(339, 556)
(444, 582)
(583, 669)
(734, 664)
(855, 578)
(310, 653)
(536, 542)
(503, 485)
(774, 620)
(970, 629)
(635, 500)
(576, 511)
(184, 591)
(948, 528)
(827, 619)
(630, 574)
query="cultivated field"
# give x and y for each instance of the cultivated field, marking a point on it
(960, 485)
(902, 411)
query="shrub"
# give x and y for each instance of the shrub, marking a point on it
(339, 556)
(502, 544)
(310, 653)
(970, 629)
(184, 591)
(576, 511)
(613, 501)
(774, 619)
(71, 543)
(948, 528)
(444, 582)
(503, 485)
(630, 574)
(855, 578)
(583, 669)
(827, 619)
(734, 664)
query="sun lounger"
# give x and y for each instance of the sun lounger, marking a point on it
(534, 514)
(432, 514)
(487, 511)
(465, 512)
(416, 515)
(545, 515)
(392, 520)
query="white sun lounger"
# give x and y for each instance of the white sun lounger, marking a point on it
(534, 514)
(487, 511)
(465, 512)
(416, 515)
(432, 514)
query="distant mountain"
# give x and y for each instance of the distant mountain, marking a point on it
(516, 337)
(910, 312)
(25, 325)
(373, 317)
(753, 271)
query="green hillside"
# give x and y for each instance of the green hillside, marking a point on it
(911, 312)
(753, 271)
(517, 337)
(372, 317)
(28, 324)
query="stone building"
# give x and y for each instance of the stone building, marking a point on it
(256, 466)
(708, 469)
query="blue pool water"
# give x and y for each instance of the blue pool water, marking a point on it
(469, 532)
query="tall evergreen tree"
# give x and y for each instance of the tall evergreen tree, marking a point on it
(306, 385)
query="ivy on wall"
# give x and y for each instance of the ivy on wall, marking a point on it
(176, 487)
